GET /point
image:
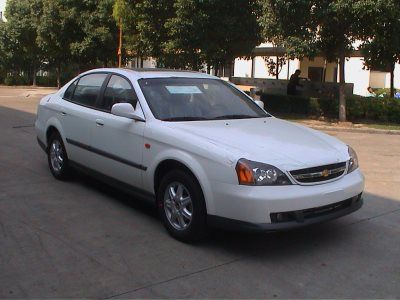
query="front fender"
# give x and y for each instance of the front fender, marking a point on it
(191, 163)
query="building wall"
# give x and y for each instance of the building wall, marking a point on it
(318, 62)
(242, 67)
(396, 78)
(377, 79)
(355, 73)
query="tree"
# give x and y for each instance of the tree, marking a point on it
(212, 32)
(143, 23)
(19, 38)
(97, 34)
(308, 28)
(335, 36)
(381, 46)
(57, 29)
(74, 31)
(274, 66)
(186, 35)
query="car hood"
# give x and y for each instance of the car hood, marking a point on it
(284, 144)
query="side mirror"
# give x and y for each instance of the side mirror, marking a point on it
(259, 103)
(126, 110)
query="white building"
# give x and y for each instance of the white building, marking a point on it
(317, 70)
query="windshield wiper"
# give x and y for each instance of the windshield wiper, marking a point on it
(235, 117)
(177, 119)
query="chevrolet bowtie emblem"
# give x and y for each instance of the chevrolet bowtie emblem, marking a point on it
(325, 173)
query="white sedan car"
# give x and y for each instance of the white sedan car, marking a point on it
(202, 149)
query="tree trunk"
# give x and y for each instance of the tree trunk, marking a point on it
(58, 72)
(277, 67)
(342, 95)
(232, 70)
(392, 81)
(34, 76)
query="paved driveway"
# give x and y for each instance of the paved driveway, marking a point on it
(83, 239)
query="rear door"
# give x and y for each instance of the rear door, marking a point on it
(78, 115)
(118, 141)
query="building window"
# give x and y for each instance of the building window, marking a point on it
(315, 74)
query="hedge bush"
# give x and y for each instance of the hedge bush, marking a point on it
(358, 108)
(46, 80)
(16, 80)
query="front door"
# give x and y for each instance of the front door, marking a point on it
(117, 142)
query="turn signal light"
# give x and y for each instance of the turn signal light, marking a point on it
(245, 174)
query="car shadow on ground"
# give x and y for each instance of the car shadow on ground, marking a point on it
(259, 244)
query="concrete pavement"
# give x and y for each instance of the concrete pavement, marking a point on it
(84, 239)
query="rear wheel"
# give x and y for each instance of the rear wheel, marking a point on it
(57, 157)
(182, 207)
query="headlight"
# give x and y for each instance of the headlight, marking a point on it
(353, 162)
(255, 173)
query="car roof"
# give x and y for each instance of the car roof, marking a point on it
(154, 73)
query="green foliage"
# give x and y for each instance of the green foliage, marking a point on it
(54, 34)
(274, 66)
(381, 46)
(231, 30)
(16, 79)
(307, 28)
(358, 108)
(188, 33)
(18, 47)
(289, 24)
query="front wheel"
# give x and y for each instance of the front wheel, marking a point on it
(182, 207)
(57, 157)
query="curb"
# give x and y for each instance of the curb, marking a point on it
(357, 130)
(28, 87)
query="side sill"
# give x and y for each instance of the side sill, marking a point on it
(129, 189)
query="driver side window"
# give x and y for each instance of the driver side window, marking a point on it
(119, 90)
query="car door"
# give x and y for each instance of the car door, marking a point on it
(78, 113)
(118, 141)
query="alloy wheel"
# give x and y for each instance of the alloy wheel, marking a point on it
(178, 205)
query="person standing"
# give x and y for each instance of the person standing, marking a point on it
(294, 82)
(370, 92)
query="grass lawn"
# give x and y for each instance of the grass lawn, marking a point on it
(333, 122)
(383, 126)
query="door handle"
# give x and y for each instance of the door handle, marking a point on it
(99, 122)
(63, 113)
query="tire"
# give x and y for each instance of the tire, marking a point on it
(185, 215)
(57, 157)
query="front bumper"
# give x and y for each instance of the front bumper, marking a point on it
(258, 204)
(292, 219)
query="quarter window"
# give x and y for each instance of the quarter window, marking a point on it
(88, 89)
(70, 91)
(118, 90)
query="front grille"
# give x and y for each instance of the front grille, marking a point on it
(302, 215)
(319, 174)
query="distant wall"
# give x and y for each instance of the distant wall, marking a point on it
(278, 87)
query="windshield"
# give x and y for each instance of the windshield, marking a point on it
(193, 99)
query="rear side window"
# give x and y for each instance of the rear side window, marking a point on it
(88, 88)
(118, 90)
(70, 91)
